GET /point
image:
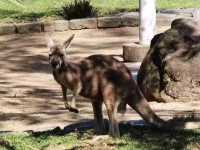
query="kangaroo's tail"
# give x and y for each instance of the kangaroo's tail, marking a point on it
(141, 106)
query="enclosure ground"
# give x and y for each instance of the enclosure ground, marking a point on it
(30, 99)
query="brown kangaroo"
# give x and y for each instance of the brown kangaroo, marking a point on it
(102, 79)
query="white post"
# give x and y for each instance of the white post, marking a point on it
(147, 21)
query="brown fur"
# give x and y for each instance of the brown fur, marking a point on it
(102, 79)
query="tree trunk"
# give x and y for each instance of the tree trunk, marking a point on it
(147, 21)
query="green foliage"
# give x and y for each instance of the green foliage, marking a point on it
(78, 9)
(30, 142)
(23, 10)
(145, 138)
(137, 138)
(166, 4)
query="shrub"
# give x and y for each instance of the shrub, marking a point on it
(78, 9)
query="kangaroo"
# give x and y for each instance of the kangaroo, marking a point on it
(52, 46)
(104, 80)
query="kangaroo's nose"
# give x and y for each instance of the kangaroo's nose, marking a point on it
(54, 64)
(50, 54)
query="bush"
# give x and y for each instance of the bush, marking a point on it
(78, 9)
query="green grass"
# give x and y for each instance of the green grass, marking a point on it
(137, 138)
(11, 11)
(29, 142)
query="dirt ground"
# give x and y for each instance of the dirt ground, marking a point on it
(30, 99)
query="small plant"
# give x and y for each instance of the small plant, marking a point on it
(78, 9)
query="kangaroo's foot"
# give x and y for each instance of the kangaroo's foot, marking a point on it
(70, 108)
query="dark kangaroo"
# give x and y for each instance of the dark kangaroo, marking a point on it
(102, 79)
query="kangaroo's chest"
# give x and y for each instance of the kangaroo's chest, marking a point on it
(90, 84)
(67, 79)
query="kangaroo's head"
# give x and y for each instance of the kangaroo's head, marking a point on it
(57, 52)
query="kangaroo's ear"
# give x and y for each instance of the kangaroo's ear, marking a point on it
(50, 42)
(68, 41)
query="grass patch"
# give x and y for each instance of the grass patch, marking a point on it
(31, 142)
(28, 10)
(137, 138)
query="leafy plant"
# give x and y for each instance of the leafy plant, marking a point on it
(78, 9)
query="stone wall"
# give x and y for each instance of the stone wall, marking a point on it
(120, 20)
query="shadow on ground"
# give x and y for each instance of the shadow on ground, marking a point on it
(27, 88)
(21, 54)
(140, 135)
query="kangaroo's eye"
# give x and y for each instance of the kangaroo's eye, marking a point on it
(50, 55)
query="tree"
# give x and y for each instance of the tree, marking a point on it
(147, 21)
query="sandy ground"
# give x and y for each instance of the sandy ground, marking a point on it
(30, 99)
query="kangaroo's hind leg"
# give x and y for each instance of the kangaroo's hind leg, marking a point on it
(113, 123)
(112, 102)
(98, 117)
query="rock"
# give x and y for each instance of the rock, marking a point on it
(184, 12)
(7, 29)
(58, 25)
(48, 27)
(29, 27)
(165, 19)
(130, 20)
(196, 14)
(109, 22)
(170, 71)
(61, 25)
(88, 23)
